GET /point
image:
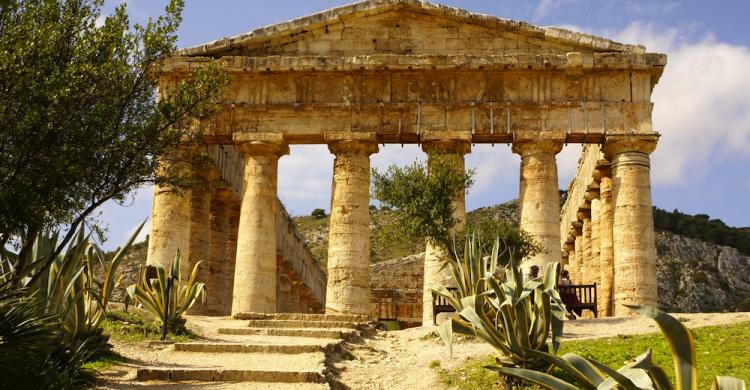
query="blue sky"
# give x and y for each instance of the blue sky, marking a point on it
(702, 103)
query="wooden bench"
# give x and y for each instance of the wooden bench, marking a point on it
(441, 305)
(579, 297)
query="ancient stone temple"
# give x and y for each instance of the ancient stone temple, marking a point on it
(405, 71)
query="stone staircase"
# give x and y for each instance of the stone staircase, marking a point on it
(256, 349)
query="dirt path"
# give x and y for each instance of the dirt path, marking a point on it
(401, 359)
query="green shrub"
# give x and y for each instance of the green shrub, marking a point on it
(165, 298)
(495, 304)
(318, 214)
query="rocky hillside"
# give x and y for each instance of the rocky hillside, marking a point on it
(694, 276)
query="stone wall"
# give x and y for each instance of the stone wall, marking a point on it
(396, 289)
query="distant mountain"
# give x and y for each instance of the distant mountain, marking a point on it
(694, 274)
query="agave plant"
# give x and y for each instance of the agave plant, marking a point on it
(165, 297)
(642, 373)
(495, 304)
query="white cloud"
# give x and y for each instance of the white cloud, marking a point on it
(546, 7)
(701, 104)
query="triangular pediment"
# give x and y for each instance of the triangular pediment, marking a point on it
(404, 27)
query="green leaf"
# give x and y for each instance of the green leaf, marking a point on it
(545, 380)
(680, 340)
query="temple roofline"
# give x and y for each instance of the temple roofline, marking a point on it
(371, 7)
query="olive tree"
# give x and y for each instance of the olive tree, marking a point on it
(80, 122)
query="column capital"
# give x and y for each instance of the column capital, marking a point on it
(583, 213)
(601, 170)
(260, 143)
(592, 192)
(570, 245)
(533, 144)
(576, 229)
(454, 142)
(348, 142)
(617, 144)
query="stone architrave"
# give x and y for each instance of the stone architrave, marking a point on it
(605, 291)
(633, 226)
(217, 254)
(348, 286)
(539, 196)
(255, 266)
(453, 145)
(170, 225)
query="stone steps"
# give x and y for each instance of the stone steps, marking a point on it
(180, 365)
(178, 374)
(302, 317)
(323, 333)
(214, 347)
(301, 324)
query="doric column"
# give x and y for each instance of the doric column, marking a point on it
(452, 145)
(570, 249)
(606, 214)
(539, 196)
(592, 195)
(578, 232)
(349, 228)
(170, 225)
(217, 254)
(633, 227)
(584, 216)
(200, 214)
(255, 266)
(234, 222)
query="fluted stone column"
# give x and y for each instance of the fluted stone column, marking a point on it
(217, 254)
(592, 195)
(255, 266)
(452, 145)
(200, 207)
(540, 197)
(633, 227)
(570, 248)
(606, 254)
(349, 229)
(578, 274)
(584, 215)
(234, 222)
(170, 226)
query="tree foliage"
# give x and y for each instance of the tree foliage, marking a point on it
(80, 122)
(702, 227)
(423, 201)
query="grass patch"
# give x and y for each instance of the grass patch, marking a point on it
(134, 327)
(104, 361)
(720, 350)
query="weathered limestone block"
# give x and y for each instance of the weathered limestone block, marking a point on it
(255, 267)
(217, 263)
(453, 145)
(633, 227)
(349, 232)
(170, 226)
(606, 215)
(539, 196)
(570, 249)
